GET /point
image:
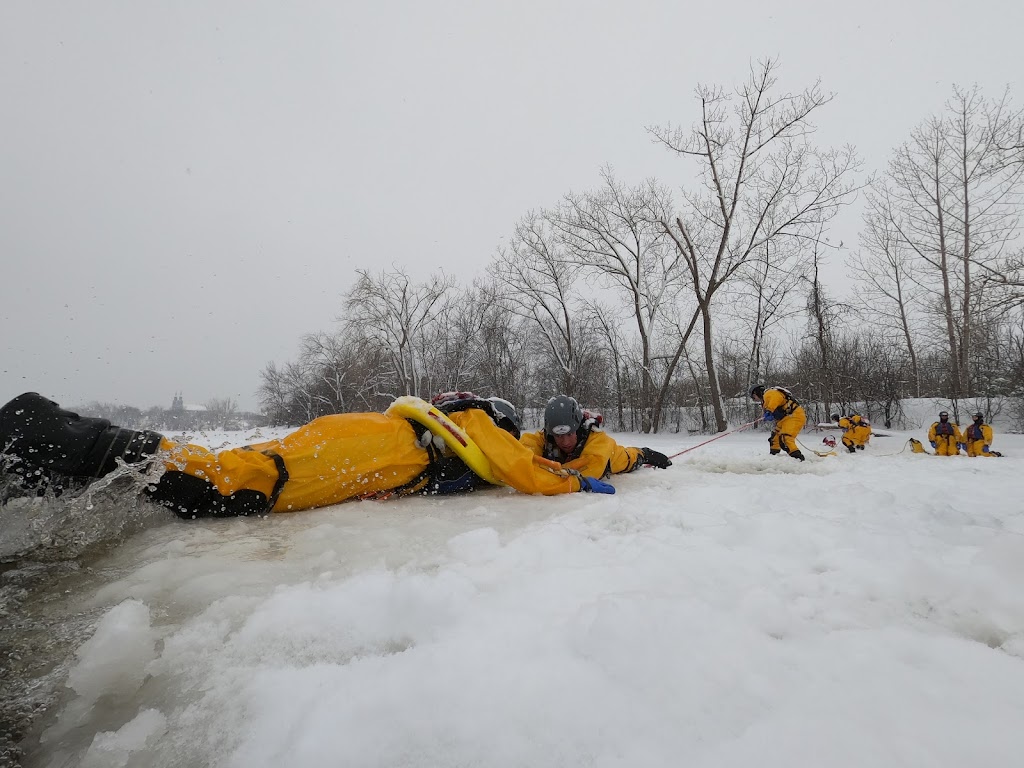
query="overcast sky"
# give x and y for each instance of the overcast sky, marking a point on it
(186, 188)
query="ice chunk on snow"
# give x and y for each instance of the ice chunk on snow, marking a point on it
(113, 749)
(113, 661)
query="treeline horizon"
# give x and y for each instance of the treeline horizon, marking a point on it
(662, 307)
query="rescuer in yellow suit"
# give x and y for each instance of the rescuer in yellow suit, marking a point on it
(978, 438)
(331, 459)
(785, 414)
(572, 437)
(945, 436)
(857, 431)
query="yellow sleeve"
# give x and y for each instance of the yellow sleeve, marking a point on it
(844, 423)
(986, 432)
(958, 435)
(773, 399)
(534, 441)
(601, 456)
(512, 462)
(931, 433)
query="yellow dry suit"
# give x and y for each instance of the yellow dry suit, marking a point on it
(978, 439)
(788, 418)
(345, 456)
(857, 432)
(331, 459)
(945, 438)
(596, 454)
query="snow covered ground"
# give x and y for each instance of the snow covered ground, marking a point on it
(736, 609)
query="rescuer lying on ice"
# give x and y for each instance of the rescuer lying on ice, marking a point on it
(573, 438)
(412, 448)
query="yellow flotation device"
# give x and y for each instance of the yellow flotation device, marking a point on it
(454, 436)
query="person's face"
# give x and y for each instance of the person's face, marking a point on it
(943, 417)
(565, 443)
(756, 398)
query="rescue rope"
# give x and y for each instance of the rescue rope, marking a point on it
(901, 450)
(717, 437)
(821, 454)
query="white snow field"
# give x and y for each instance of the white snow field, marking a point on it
(736, 609)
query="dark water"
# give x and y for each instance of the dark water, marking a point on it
(47, 548)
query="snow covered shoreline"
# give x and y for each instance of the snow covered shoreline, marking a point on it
(736, 608)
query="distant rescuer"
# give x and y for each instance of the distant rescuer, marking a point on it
(945, 437)
(978, 438)
(573, 438)
(856, 431)
(786, 416)
(411, 449)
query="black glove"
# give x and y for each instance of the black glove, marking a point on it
(655, 459)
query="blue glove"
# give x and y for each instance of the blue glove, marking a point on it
(768, 416)
(961, 447)
(934, 445)
(984, 448)
(590, 485)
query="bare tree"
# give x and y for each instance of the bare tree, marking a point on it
(888, 289)
(395, 314)
(221, 412)
(502, 362)
(956, 205)
(615, 232)
(760, 300)
(607, 322)
(822, 314)
(761, 180)
(540, 280)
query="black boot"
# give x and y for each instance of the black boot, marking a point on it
(39, 438)
(851, 448)
(798, 455)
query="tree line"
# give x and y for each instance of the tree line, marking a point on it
(663, 307)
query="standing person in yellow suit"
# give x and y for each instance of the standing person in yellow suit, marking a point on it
(978, 438)
(857, 431)
(785, 414)
(331, 459)
(573, 438)
(945, 436)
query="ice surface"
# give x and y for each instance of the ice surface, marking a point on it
(736, 609)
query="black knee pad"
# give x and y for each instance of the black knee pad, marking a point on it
(191, 497)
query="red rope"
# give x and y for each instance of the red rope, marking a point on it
(717, 437)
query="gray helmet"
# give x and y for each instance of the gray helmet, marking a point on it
(757, 391)
(562, 415)
(506, 416)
